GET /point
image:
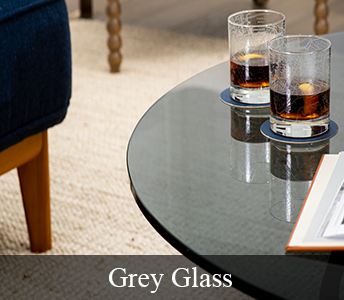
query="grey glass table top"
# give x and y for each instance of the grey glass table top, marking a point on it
(180, 162)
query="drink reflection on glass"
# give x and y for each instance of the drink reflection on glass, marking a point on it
(250, 150)
(249, 33)
(292, 169)
(300, 85)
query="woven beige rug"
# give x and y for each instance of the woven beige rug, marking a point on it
(93, 210)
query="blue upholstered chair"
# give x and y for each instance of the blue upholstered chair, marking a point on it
(35, 89)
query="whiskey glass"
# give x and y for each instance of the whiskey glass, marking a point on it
(300, 85)
(249, 33)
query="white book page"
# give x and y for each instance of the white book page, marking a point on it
(321, 198)
(334, 218)
(340, 231)
(310, 213)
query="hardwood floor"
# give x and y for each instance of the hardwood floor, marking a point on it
(205, 17)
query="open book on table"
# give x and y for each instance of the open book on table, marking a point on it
(320, 225)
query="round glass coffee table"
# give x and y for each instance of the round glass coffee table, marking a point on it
(204, 177)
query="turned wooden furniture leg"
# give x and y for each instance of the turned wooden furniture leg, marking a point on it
(321, 12)
(34, 184)
(113, 11)
(86, 9)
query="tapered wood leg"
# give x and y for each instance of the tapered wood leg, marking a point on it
(34, 184)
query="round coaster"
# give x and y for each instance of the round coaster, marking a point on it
(266, 131)
(226, 98)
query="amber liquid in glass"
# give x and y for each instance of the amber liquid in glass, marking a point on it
(294, 104)
(250, 70)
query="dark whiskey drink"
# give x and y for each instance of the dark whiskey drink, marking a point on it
(250, 70)
(300, 100)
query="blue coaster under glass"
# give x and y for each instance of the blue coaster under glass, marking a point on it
(226, 98)
(266, 131)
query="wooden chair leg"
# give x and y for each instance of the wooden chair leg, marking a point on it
(34, 184)
(113, 11)
(321, 14)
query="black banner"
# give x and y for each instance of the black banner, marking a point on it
(171, 277)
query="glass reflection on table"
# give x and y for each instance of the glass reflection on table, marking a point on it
(292, 169)
(250, 150)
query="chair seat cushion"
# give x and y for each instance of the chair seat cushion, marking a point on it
(35, 74)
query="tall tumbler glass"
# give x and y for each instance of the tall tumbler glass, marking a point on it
(249, 33)
(300, 85)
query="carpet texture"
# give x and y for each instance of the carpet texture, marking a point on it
(92, 208)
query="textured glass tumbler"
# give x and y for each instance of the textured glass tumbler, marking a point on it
(250, 150)
(292, 169)
(249, 33)
(300, 85)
